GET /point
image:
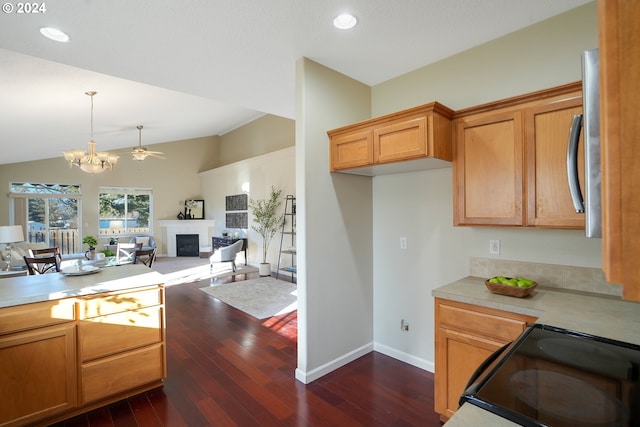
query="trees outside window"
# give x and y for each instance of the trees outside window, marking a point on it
(49, 213)
(125, 211)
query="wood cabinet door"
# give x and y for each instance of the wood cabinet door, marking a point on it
(401, 140)
(619, 46)
(39, 374)
(351, 150)
(458, 355)
(487, 170)
(466, 335)
(546, 135)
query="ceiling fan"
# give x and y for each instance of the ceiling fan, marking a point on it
(140, 153)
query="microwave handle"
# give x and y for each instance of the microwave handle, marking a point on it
(572, 163)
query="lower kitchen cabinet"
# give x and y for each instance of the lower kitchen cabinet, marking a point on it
(122, 372)
(466, 335)
(37, 374)
(64, 357)
(121, 342)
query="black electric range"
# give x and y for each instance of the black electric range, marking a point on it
(556, 377)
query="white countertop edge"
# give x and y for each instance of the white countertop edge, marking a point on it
(55, 286)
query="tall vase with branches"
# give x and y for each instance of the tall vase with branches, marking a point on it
(266, 218)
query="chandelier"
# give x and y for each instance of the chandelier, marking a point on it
(92, 161)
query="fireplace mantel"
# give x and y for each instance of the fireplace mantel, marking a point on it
(204, 228)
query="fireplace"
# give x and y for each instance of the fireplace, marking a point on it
(187, 245)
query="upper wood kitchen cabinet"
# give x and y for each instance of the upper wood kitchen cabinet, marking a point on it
(619, 49)
(509, 166)
(422, 132)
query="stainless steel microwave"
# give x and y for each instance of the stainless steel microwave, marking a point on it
(589, 124)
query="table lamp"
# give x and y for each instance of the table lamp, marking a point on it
(10, 234)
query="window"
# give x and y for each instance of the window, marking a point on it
(49, 212)
(125, 211)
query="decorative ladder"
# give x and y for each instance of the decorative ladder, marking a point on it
(288, 229)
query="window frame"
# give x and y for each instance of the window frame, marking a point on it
(25, 191)
(125, 191)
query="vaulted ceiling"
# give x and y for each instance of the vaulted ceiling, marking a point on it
(187, 69)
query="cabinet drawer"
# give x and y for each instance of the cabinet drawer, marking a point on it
(123, 372)
(104, 304)
(29, 316)
(496, 324)
(114, 333)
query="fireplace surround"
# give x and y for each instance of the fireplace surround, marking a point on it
(170, 228)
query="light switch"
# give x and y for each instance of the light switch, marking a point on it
(403, 243)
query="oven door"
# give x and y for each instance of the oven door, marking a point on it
(555, 377)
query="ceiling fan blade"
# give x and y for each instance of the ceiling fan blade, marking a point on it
(156, 154)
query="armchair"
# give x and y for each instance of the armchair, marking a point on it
(226, 254)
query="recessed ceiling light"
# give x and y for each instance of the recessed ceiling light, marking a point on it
(345, 21)
(54, 34)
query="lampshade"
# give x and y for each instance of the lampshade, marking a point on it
(11, 234)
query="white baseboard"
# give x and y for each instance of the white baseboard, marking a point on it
(314, 374)
(404, 357)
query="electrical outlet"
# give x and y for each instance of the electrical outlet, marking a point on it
(494, 247)
(404, 325)
(403, 243)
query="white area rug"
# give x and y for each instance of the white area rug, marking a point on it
(261, 298)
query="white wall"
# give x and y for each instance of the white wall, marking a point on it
(261, 172)
(419, 205)
(335, 280)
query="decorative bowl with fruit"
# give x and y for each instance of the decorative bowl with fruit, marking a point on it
(512, 286)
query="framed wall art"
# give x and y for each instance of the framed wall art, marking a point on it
(236, 202)
(194, 209)
(236, 220)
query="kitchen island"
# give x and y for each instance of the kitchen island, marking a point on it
(72, 343)
(594, 314)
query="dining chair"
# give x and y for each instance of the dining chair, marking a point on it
(126, 252)
(52, 251)
(145, 256)
(42, 264)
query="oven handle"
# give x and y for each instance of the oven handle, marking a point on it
(483, 366)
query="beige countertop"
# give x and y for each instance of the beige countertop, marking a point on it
(54, 286)
(594, 314)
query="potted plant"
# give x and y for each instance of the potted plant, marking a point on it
(266, 221)
(92, 242)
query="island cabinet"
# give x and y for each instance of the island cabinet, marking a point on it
(619, 51)
(422, 132)
(509, 161)
(38, 368)
(64, 357)
(121, 342)
(466, 335)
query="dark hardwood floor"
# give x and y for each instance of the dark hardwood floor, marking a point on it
(226, 368)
